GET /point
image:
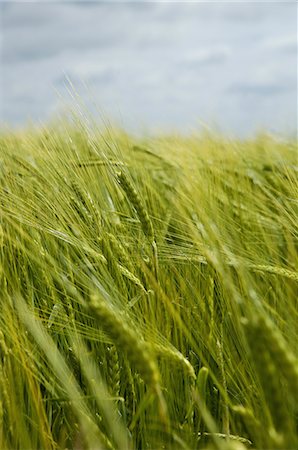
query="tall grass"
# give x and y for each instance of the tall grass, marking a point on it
(149, 291)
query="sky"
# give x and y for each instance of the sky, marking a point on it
(154, 66)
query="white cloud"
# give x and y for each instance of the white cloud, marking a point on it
(157, 63)
(282, 44)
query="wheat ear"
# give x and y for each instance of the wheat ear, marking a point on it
(138, 205)
(143, 215)
(268, 359)
(113, 371)
(281, 355)
(125, 339)
(135, 348)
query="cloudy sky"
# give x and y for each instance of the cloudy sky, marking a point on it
(231, 66)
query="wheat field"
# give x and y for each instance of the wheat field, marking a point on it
(149, 291)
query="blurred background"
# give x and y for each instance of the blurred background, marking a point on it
(153, 66)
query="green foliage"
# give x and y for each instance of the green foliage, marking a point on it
(149, 291)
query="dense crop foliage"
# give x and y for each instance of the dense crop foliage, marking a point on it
(149, 291)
